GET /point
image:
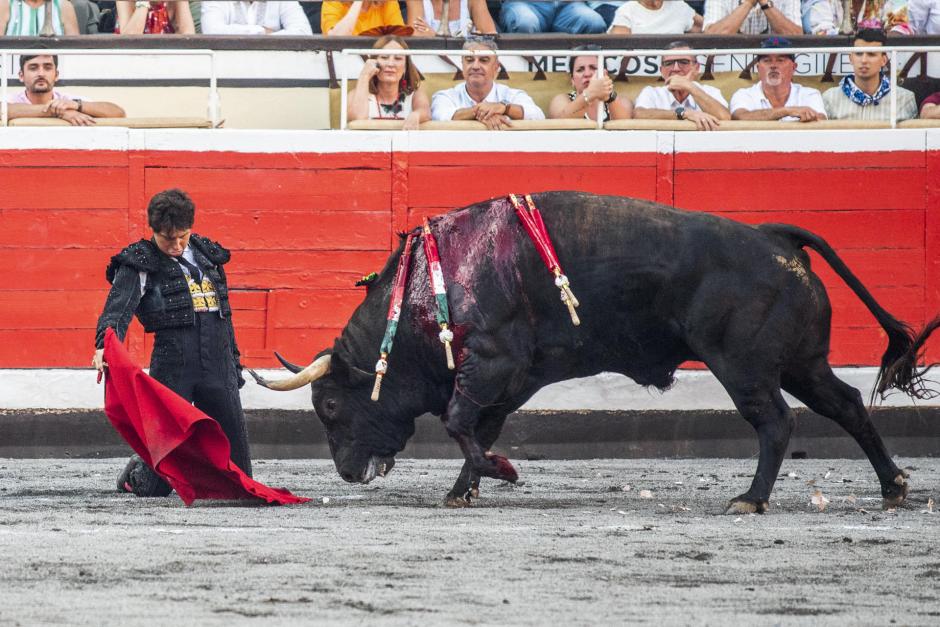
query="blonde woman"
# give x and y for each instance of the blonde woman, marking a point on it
(389, 88)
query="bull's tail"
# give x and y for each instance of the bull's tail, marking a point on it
(899, 364)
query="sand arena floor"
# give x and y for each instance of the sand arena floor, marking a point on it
(573, 544)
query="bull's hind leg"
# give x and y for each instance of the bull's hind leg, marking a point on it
(827, 395)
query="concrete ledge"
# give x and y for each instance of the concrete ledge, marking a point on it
(528, 435)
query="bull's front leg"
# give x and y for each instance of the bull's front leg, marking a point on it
(492, 368)
(467, 485)
(461, 421)
(475, 399)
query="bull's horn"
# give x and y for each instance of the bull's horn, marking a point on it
(319, 368)
(292, 367)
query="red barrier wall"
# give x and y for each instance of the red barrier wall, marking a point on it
(304, 226)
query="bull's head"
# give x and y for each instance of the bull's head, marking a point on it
(364, 436)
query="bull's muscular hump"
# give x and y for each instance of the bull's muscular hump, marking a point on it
(658, 286)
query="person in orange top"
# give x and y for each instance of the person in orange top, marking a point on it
(352, 18)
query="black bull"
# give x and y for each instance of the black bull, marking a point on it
(658, 286)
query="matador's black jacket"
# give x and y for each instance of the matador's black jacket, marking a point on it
(194, 353)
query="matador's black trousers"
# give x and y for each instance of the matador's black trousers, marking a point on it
(195, 362)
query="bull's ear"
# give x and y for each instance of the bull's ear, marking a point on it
(348, 374)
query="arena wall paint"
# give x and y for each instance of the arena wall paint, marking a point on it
(307, 213)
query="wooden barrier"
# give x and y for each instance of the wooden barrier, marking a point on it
(304, 226)
(120, 122)
(641, 125)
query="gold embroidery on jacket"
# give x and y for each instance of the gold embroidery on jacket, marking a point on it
(204, 296)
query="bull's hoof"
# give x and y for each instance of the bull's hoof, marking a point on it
(499, 467)
(895, 495)
(742, 505)
(452, 500)
(474, 493)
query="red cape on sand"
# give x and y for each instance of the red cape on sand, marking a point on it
(185, 446)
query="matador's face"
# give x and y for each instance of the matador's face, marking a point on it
(173, 242)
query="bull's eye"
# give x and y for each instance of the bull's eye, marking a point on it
(330, 405)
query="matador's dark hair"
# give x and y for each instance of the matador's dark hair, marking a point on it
(171, 210)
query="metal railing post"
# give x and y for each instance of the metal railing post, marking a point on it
(214, 108)
(3, 88)
(894, 88)
(600, 105)
(344, 87)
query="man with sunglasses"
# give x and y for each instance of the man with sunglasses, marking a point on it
(682, 97)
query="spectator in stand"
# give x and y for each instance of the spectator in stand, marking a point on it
(822, 17)
(574, 18)
(682, 98)
(889, 15)
(154, 18)
(40, 99)
(241, 17)
(590, 88)
(481, 97)
(776, 96)
(25, 18)
(930, 107)
(655, 17)
(87, 14)
(389, 88)
(353, 18)
(866, 94)
(425, 17)
(607, 10)
(924, 16)
(753, 17)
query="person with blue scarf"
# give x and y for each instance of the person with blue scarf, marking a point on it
(866, 94)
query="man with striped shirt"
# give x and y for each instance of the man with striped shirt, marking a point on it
(866, 94)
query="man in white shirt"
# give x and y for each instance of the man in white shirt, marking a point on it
(682, 98)
(481, 98)
(254, 18)
(753, 17)
(776, 96)
(924, 16)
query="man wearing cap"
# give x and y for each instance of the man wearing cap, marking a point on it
(776, 96)
(682, 97)
(866, 94)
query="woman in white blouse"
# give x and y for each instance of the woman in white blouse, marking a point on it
(389, 88)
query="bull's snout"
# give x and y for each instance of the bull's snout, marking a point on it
(377, 467)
